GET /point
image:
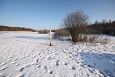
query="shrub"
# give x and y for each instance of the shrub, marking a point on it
(75, 24)
(43, 31)
(61, 33)
(92, 38)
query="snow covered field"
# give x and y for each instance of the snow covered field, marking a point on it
(28, 54)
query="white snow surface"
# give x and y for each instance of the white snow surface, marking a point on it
(28, 54)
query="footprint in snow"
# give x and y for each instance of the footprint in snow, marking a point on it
(21, 69)
(3, 68)
(51, 72)
(90, 70)
(2, 64)
(15, 59)
(57, 62)
(37, 60)
(65, 63)
(39, 53)
(112, 61)
(17, 64)
(49, 58)
(45, 69)
(20, 75)
(56, 54)
(73, 68)
(2, 75)
(23, 57)
(39, 66)
(13, 62)
(9, 59)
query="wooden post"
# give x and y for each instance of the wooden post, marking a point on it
(50, 38)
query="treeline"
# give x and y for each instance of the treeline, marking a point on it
(104, 27)
(7, 28)
(45, 31)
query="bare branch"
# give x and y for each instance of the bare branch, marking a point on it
(75, 23)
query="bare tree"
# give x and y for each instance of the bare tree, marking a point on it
(75, 24)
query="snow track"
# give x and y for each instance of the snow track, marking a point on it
(28, 54)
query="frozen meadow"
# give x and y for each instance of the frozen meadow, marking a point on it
(28, 54)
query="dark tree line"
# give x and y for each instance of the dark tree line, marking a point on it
(104, 27)
(7, 28)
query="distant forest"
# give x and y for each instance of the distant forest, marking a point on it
(104, 27)
(7, 28)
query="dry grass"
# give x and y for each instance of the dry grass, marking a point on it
(92, 38)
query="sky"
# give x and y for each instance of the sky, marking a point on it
(49, 14)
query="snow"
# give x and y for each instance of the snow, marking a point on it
(28, 54)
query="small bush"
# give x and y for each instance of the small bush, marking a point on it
(61, 33)
(82, 38)
(43, 31)
(92, 38)
(103, 39)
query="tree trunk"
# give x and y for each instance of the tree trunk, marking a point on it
(75, 38)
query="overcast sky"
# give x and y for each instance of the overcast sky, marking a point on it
(49, 14)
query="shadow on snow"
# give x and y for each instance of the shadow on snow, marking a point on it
(104, 62)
